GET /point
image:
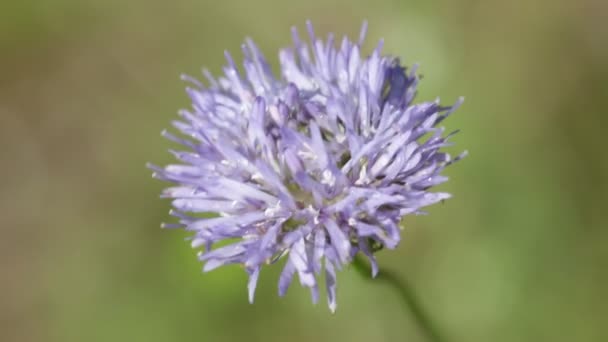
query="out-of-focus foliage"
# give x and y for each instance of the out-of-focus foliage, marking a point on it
(519, 254)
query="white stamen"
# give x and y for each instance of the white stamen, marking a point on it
(273, 210)
(309, 155)
(328, 178)
(257, 176)
(315, 214)
(363, 178)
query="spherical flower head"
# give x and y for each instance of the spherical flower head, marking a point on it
(311, 167)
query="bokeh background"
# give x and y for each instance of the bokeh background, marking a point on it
(519, 254)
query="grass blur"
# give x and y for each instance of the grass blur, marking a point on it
(519, 253)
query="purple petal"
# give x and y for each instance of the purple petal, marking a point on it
(318, 252)
(330, 282)
(339, 241)
(253, 280)
(366, 250)
(300, 261)
(286, 276)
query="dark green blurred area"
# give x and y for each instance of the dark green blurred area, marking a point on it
(519, 254)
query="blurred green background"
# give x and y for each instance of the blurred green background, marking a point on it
(519, 254)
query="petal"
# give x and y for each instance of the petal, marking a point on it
(330, 282)
(253, 280)
(339, 241)
(236, 190)
(363, 32)
(204, 205)
(299, 259)
(285, 278)
(237, 220)
(319, 247)
(215, 263)
(366, 250)
(226, 251)
(270, 237)
(314, 293)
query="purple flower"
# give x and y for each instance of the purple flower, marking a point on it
(311, 167)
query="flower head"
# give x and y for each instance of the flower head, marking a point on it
(312, 167)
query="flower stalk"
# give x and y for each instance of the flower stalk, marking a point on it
(406, 294)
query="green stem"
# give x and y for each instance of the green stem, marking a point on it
(407, 295)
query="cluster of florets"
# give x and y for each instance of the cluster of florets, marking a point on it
(312, 167)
